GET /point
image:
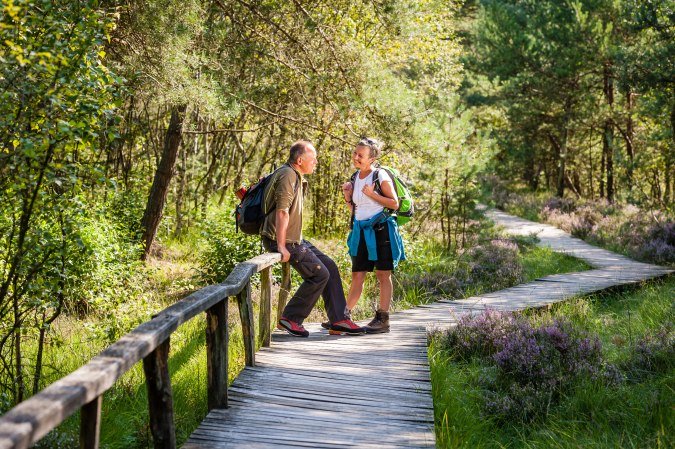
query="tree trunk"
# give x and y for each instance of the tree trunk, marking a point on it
(608, 132)
(559, 149)
(602, 174)
(18, 357)
(180, 193)
(562, 148)
(160, 185)
(667, 195)
(560, 181)
(630, 133)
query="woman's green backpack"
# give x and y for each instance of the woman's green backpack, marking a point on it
(406, 205)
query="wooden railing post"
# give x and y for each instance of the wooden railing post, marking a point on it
(160, 397)
(285, 289)
(216, 354)
(90, 424)
(265, 306)
(247, 325)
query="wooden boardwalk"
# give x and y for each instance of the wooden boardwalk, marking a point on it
(374, 391)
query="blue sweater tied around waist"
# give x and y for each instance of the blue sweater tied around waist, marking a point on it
(397, 250)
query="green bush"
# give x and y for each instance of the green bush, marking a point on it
(225, 248)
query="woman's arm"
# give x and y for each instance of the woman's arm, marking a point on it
(347, 188)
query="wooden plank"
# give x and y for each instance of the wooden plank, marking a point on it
(160, 397)
(32, 419)
(285, 289)
(217, 341)
(316, 437)
(382, 380)
(314, 418)
(265, 316)
(247, 324)
(90, 424)
(405, 414)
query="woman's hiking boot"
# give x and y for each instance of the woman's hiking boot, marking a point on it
(379, 324)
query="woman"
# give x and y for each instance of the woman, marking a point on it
(374, 241)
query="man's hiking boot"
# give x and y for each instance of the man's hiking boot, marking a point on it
(379, 324)
(292, 327)
(346, 327)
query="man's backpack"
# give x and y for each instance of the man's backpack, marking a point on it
(250, 214)
(406, 205)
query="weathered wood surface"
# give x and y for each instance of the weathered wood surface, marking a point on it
(160, 397)
(90, 424)
(285, 288)
(265, 314)
(32, 419)
(321, 392)
(216, 355)
(247, 324)
(374, 391)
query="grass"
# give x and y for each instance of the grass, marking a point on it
(169, 278)
(635, 414)
(125, 406)
(538, 262)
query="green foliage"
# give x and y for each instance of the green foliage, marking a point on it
(576, 94)
(125, 210)
(224, 248)
(56, 102)
(591, 415)
(490, 263)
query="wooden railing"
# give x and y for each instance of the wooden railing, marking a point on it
(82, 390)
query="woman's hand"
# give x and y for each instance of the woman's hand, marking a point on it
(369, 190)
(347, 191)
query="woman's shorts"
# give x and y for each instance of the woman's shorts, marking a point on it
(384, 260)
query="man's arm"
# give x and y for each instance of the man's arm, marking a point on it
(282, 227)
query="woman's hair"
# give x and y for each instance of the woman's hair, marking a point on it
(374, 145)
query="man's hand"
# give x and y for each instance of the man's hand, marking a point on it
(285, 255)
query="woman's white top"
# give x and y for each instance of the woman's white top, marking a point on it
(367, 207)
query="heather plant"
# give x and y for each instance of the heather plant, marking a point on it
(659, 244)
(436, 283)
(565, 205)
(580, 222)
(480, 335)
(530, 368)
(494, 264)
(632, 391)
(647, 235)
(653, 353)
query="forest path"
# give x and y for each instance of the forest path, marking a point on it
(374, 391)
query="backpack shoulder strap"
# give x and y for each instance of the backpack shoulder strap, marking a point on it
(268, 190)
(376, 181)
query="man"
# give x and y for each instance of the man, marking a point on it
(282, 232)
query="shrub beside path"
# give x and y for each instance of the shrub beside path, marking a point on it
(374, 391)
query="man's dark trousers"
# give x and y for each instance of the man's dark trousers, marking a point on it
(321, 277)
